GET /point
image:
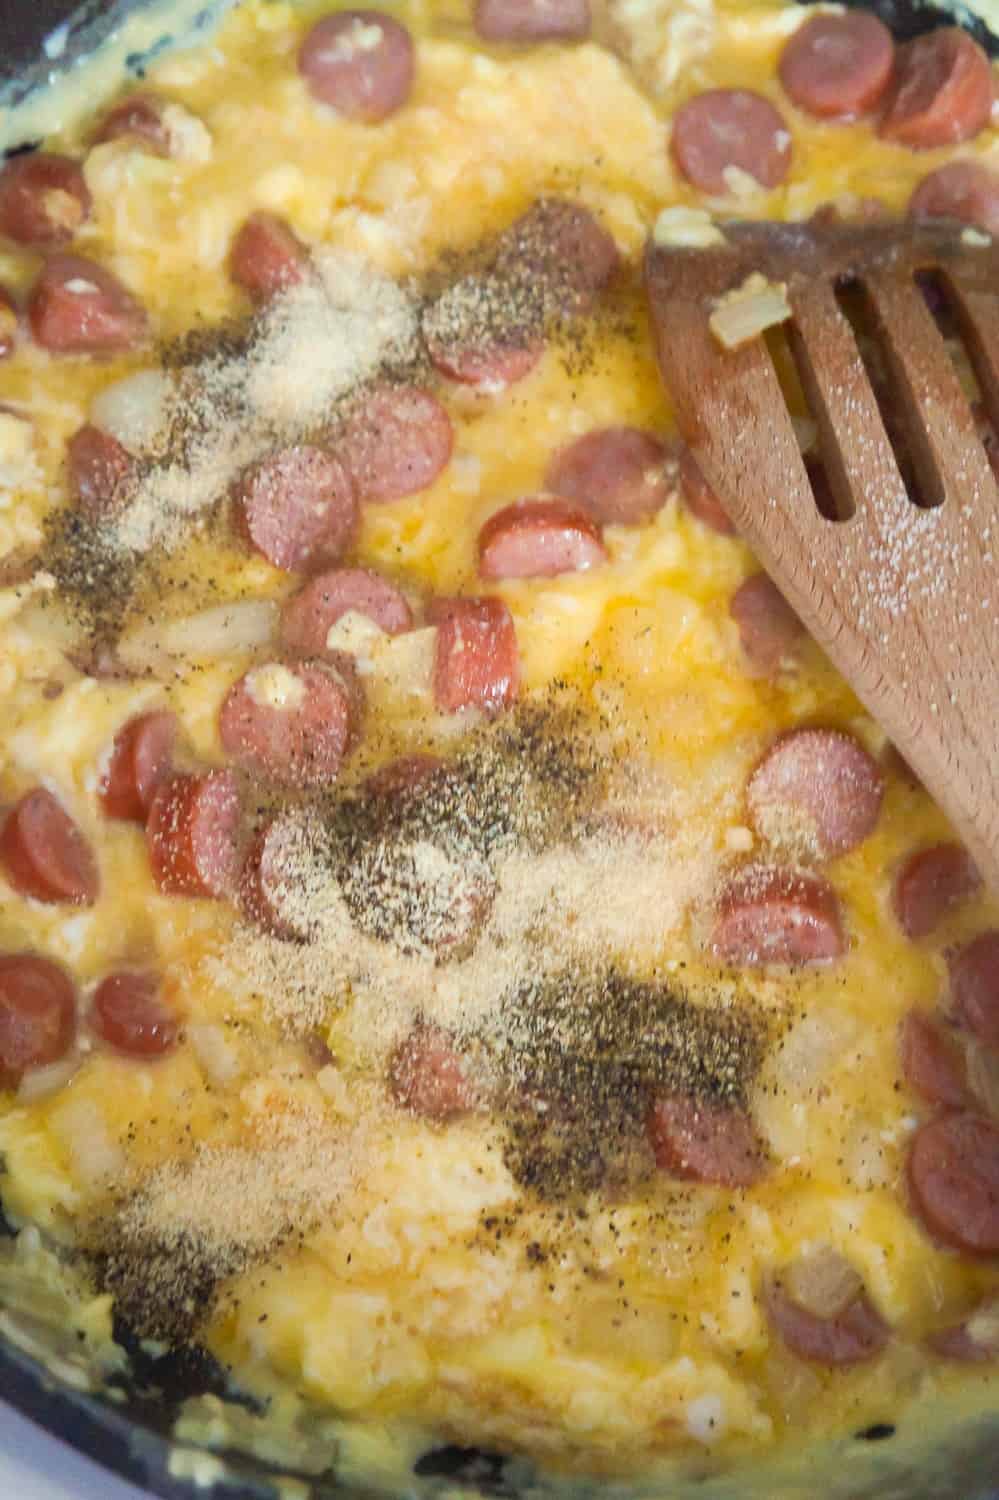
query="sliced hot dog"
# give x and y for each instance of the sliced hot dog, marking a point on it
(267, 257)
(818, 785)
(838, 66)
(396, 443)
(931, 1061)
(130, 1014)
(99, 469)
(265, 885)
(965, 190)
(539, 538)
(44, 198)
(309, 615)
(847, 1335)
(37, 1014)
(769, 629)
(730, 128)
(953, 1172)
(974, 987)
(698, 496)
(532, 20)
(617, 474)
(291, 725)
(45, 855)
(361, 62)
(929, 884)
(297, 506)
(79, 307)
(140, 760)
(405, 775)
(473, 337)
(428, 1076)
(565, 250)
(153, 123)
(138, 118)
(8, 323)
(704, 1140)
(192, 835)
(975, 1340)
(770, 915)
(942, 91)
(476, 661)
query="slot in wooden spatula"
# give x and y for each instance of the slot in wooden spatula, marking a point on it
(902, 593)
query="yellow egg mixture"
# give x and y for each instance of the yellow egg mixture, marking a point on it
(642, 1335)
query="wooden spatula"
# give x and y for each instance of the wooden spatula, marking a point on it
(902, 593)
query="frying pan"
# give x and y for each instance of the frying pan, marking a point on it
(940, 1452)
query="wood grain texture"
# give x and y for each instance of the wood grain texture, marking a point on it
(903, 597)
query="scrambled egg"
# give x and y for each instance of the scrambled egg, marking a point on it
(396, 1312)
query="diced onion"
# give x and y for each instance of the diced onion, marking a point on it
(682, 228)
(220, 631)
(404, 663)
(83, 1131)
(133, 410)
(822, 1282)
(983, 1325)
(213, 1051)
(39, 1082)
(747, 311)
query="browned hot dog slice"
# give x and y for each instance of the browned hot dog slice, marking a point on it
(539, 538)
(838, 66)
(472, 337)
(618, 475)
(45, 855)
(769, 915)
(698, 496)
(929, 883)
(851, 1331)
(99, 469)
(79, 307)
(476, 661)
(942, 91)
(931, 1061)
(291, 725)
(704, 1140)
(974, 985)
(566, 249)
(140, 760)
(138, 118)
(192, 835)
(769, 629)
(953, 1174)
(361, 62)
(309, 615)
(8, 323)
(816, 784)
(730, 128)
(532, 20)
(404, 776)
(155, 124)
(297, 505)
(267, 257)
(266, 883)
(129, 1012)
(965, 190)
(975, 1341)
(396, 443)
(43, 198)
(37, 1014)
(428, 1075)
